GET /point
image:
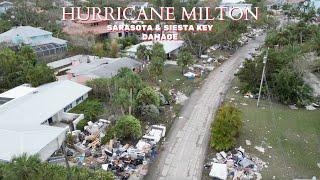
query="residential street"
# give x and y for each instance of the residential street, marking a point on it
(184, 150)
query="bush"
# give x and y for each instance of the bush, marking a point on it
(148, 96)
(128, 127)
(165, 92)
(289, 88)
(91, 109)
(30, 167)
(150, 113)
(225, 128)
(110, 132)
(81, 124)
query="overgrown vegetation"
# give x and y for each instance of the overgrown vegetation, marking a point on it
(20, 67)
(286, 48)
(30, 167)
(225, 127)
(91, 108)
(128, 127)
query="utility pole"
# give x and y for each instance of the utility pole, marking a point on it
(265, 58)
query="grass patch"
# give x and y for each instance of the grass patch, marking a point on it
(294, 136)
(174, 79)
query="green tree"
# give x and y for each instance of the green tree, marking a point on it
(158, 52)
(91, 109)
(184, 60)
(98, 50)
(27, 55)
(128, 127)
(150, 113)
(290, 88)
(225, 128)
(142, 52)
(121, 99)
(25, 167)
(40, 74)
(128, 41)
(81, 124)
(102, 88)
(147, 96)
(30, 167)
(156, 67)
(114, 49)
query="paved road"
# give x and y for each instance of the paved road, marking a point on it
(184, 151)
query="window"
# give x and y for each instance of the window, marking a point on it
(120, 34)
(79, 100)
(67, 107)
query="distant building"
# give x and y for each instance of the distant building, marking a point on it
(82, 68)
(96, 27)
(315, 4)
(229, 4)
(40, 40)
(5, 5)
(170, 47)
(139, 5)
(35, 120)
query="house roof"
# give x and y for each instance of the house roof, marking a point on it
(21, 118)
(6, 3)
(295, 1)
(168, 46)
(137, 4)
(18, 91)
(231, 1)
(25, 33)
(110, 70)
(93, 66)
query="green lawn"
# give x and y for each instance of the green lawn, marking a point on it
(294, 136)
(174, 78)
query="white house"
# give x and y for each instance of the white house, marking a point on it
(4, 6)
(170, 47)
(35, 120)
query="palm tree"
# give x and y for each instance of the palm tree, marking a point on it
(25, 167)
(184, 59)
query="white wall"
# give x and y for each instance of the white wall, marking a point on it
(51, 147)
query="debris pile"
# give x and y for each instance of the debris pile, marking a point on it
(235, 164)
(178, 97)
(125, 160)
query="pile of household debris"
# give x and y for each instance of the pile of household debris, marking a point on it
(178, 96)
(124, 160)
(235, 164)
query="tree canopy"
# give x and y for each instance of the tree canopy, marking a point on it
(20, 67)
(225, 128)
(30, 167)
(128, 127)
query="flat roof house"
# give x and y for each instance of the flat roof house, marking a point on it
(5, 5)
(35, 120)
(40, 40)
(170, 47)
(81, 68)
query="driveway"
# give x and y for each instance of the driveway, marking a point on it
(184, 151)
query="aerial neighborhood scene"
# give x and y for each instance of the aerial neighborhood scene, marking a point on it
(159, 89)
